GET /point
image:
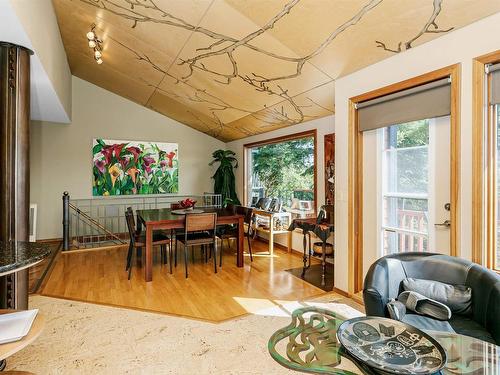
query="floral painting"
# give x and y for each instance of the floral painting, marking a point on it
(127, 168)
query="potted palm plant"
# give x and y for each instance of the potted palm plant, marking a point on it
(224, 180)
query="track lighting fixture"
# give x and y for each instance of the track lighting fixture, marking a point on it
(95, 43)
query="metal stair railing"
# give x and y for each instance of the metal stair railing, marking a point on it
(90, 223)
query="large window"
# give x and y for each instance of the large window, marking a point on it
(283, 168)
(405, 187)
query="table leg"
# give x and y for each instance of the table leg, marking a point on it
(240, 245)
(304, 243)
(149, 254)
(310, 250)
(323, 264)
(271, 238)
(290, 239)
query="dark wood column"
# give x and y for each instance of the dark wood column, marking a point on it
(14, 163)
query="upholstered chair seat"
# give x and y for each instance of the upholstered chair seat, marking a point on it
(384, 279)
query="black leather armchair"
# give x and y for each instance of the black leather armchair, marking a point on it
(384, 281)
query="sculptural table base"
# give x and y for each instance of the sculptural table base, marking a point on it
(309, 344)
(307, 258)
(307, 254)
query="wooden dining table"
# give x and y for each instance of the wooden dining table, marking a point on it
(165, 219)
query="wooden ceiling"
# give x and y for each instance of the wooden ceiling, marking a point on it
(235, 68)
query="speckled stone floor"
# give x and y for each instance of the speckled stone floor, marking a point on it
(84, 338)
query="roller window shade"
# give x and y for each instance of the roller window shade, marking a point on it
(494, 70)
(426, 101)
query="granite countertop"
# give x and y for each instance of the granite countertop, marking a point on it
(15, 255)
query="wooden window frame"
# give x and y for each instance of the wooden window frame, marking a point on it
(484, 210)
(290, 137)
(355, 167)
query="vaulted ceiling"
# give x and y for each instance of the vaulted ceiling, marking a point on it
(234, 68)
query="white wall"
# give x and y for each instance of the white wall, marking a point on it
(33, 24)
(325, 125)
(61, 156)
(460, 46)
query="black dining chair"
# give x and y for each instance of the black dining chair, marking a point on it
(231, 232)
(178, 233)
(199, 230)
(138, 240)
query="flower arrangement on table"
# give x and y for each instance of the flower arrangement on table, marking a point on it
(187, 204)
(126, 168)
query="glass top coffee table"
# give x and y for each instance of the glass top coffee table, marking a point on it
(309, 344)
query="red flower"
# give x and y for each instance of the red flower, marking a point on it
(146, 164)
(112, 150)
(147, 160)
(124, 163)
(170, 157)
(136, 151)
(107, 151)
(117, 149)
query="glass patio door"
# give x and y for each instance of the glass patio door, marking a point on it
(494, 256)
(415, 187)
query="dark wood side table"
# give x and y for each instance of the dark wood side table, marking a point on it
(322, 230)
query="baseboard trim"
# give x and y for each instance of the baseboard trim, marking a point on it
(50, 240)
(341, 292)
(103, 248)
(265, 240)
(357, 298)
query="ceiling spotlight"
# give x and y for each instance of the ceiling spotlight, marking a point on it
(90, 35)
(99, 61)
(92, 44)
(97, 54)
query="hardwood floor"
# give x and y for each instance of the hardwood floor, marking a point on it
(38, 271)
(100, 277)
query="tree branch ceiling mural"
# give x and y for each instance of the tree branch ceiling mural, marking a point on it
(235, 68)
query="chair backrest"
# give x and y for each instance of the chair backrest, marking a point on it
(131, 210)
(245, 211)
(201, 222)
(263, 203)
(275, 205)
(129, 217)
